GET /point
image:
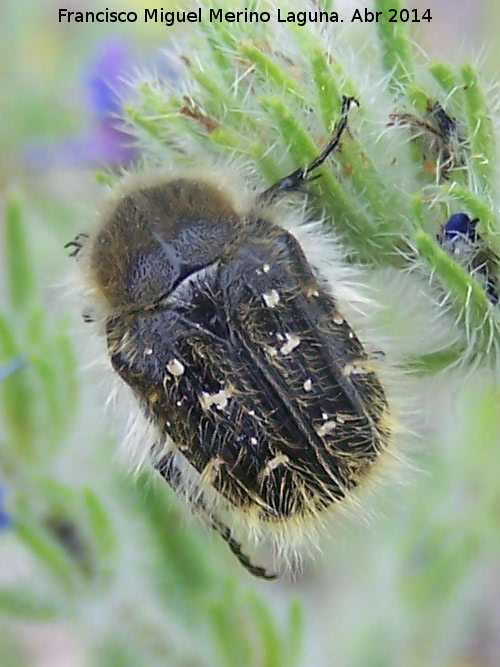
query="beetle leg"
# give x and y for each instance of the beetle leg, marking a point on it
(294, 180)
(173, 476)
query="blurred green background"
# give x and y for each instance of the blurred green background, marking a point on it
(99, 568)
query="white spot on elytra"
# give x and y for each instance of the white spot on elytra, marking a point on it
(266, 268)
(253, 441)
(308, 384)
(271, 299)
(292, 341)
(220, 399)
(325, 428)
(148, 351)
(338, 320)
(359, 367)
(312, 292)
(324, 416)
(175, 367)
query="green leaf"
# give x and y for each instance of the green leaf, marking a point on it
(51, 555)
(445, 75)
(20, 281)
(329, 96)
(67, 371)
(23, 602)
(436, 361)
(468, 298)
(103, 532)
(274, 75)
(231, 630)
(396, 54)
(184, 557)
(271, 643)
(481, 131)
(16, 395)
(295, 636)
(146, 124)
(44, 369)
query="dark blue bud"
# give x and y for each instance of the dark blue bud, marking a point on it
(459, 237)
(460, 223)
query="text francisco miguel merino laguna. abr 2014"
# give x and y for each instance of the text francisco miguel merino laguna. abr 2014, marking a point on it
(169, 18)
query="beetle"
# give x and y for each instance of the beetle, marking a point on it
(266, 408)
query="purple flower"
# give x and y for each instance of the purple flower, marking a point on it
(5, 520)
(105, 79)
(106, 141)
(7, 369)
(11, 366)
(106, 89)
